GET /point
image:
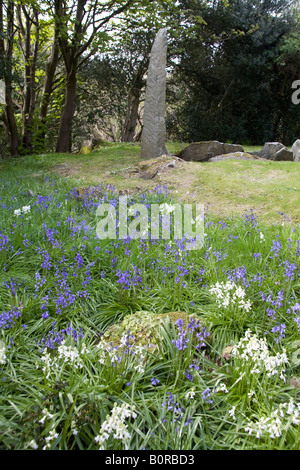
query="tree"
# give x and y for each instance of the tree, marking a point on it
(25, 42)
(48, 88)
(82, 27)
(114, 82)
(228, 66)
(28, 19)
(7, 33)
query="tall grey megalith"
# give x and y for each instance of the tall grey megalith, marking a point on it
(154, 129)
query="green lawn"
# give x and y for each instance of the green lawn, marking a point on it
(226, 188)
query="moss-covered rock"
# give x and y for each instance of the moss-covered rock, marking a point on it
(90, 192)
(86, 147)
(145, 327)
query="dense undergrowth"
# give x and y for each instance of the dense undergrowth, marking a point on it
(215, 376)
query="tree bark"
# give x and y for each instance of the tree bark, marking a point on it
(47, 91)
(70, 53)
(11, 120)
(30, 59)
(131, 119)
(64, 141)
(6, 50)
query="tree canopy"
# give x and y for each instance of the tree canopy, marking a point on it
(73, 69)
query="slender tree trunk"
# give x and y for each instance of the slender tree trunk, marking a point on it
(131, 119)
(6, 50)
(27, 18)
(132, 115)
(11, 120)
(47, 91)
(86, 25)
(64, 141)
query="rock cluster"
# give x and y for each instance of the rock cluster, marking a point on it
(275, 151)
(214, 151)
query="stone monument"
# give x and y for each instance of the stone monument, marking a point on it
(2, 92)
(154, 129)
(296, 150)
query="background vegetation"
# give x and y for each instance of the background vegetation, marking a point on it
(76, 70)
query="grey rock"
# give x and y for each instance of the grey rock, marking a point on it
(295, 382)
(232, 148)
(234, 156)
(171, 164)
(205, 150)
(148, 175)
(296, 150)
(154, 130)
(86, 147)
(283, 155)
(269, 149)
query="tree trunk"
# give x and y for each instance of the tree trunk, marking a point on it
(47, 91)
(86, 23)
(131, 119)
(11, 120)
(64, 141)
(6, 50)
(30, 58)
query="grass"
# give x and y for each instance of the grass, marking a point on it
(72, 374)
(226, 188)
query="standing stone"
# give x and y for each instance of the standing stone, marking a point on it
(296, 150)
(2, 92)
(154, 129)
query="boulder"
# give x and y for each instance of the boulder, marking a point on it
(296, 150)
(148, 169)
(203, 151)
(232, 148)
(295, 382)
(145, 328)
(234, 156)
(90, 192)
(283, 155)
(86, 147)
(269, 149)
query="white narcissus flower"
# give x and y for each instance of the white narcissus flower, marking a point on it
(221, 387)
(2, 353)
(250, 347)
(232, 412)
(114, 425)
(167, 208)
(25, 209)
(277, 422)
(230, 294)
(190, 394)
(33, 444)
